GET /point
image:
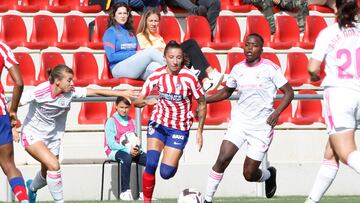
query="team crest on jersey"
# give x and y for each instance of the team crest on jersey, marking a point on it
(62, 102)
(178, 86)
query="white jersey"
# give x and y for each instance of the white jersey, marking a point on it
(47, 112)
(256, 87)
(341, 51)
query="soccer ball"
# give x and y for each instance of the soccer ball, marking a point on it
(130, 140)
(189, 195)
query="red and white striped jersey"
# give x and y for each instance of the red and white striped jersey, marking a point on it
(7, 60)
(176, 92)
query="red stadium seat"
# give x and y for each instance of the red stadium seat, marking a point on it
(4, 6)
(287, 33)
(286, 115)
(169, 29)
(45, 5)
(146, 114)
(13, 33)
(313, 26)
(100, 27)
(107, 79)
(236, 6)
(176, 9)
(258, 24)
(272, 57)
(85, 69)
(24, 6)
(233, 58)
(213, 61)
(296, 69)
(48, 36)
(198, 28)
(218, 113)
(75, 33)
(227, 34)
(131, 113)
(27, 70)
(136, 20)
(320, 8)
(48, 60)
(322, 74)
(92, 113)
(75, 5)
(308, 111)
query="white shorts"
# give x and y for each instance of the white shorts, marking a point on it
(258, 141)
(341, 109)
(29, 137)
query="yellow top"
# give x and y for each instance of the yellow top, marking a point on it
(157, 41)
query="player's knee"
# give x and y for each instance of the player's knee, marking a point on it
(250, 175)
(166, 171)
(126, 159)
(152, 161)
(222, 161)
(53, 166)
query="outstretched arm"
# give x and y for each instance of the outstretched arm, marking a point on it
(314, 69)
(201, 114)
(288, 97)
(224, 93)
(141, 101)
(103, 92)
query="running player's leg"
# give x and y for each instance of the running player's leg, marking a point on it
(42, 153)
(325, 176)
(226, 154)
(13, 174)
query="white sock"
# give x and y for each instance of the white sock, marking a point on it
(264, 176)
(55, 185)
(212, 184)
(38, 182)
(353, 160)
(324, 178)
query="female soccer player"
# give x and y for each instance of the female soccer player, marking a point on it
(339, 45)
(252, 122)
(44, 126)
(171, 119)
(8, 124)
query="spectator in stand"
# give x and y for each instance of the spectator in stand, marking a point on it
(121, 46)
(329, 3)
(140, 5)
(148, 36)
(267, 5)
(207, 8)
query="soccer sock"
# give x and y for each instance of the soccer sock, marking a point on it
(265, 174)
(353, 160)
(18, 187)
(55, 185)
(38, 182)
(324, 178)
(148, 186)
(212, 184)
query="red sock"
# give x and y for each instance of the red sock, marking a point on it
(20, 193)
(148, 186)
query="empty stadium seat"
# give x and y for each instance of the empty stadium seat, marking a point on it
(76, 5)
(92, 113)
(169, 29)
(48, 36)
(136, 20)
(85, 69)
(13, 33)
(26, 68)
(75, 33)
(296, 69)
(146, 114)
(101, 23)
(235, 6)
(107, 79)
(258, 24)
(272, 57)
(4, 6)
(308, 111)
(45, 5)
(213, 61)
(232, 59)
(286, 115)
(48, 60)
(198, 28)
(227, 33)
(320, 8)
(313, 26)
(24, 6)
(218, 113)
(287, 33)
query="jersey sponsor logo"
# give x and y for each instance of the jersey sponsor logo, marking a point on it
(171, 96)
(179, 137)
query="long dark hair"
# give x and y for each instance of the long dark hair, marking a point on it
(129, 25)
(58, 72)
(347, 11)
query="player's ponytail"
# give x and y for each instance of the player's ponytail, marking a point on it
(347, 11)
(57, 72)
(172, 44)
